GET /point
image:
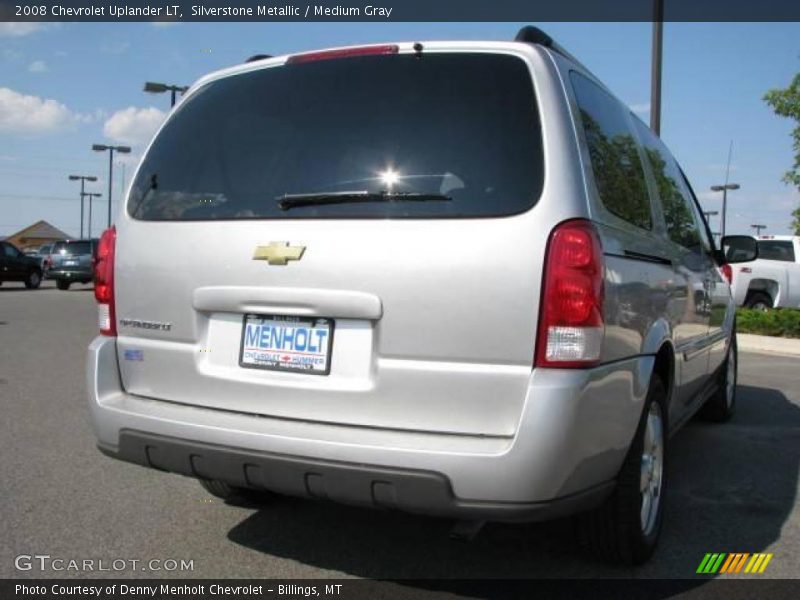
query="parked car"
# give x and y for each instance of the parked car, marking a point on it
(772, 281)
(71, 262)
(15, 266)
(43, 253)
(472, 297)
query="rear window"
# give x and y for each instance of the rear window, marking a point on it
(776, 250)
(459, 126)
(72, 248)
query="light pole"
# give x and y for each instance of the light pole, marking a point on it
(758, 228)
(160, 88)
(121, 150)
(83, 179)
(91, 195)
(655, 66)
(724, 189)
(708, 214)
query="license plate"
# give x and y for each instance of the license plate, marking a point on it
(70, 263)
(295, 344)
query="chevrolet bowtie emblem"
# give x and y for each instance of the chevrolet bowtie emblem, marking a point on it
(278, 253)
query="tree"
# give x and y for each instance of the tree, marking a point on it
(786, 103)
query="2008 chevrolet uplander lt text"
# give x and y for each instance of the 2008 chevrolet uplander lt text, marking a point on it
(452, 278)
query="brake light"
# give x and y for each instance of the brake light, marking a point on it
(727, 272)
(343, 53)
(571, 327)
(104, 282)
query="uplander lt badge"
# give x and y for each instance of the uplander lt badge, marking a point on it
(139, 324)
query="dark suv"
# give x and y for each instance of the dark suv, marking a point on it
(71, 261)
(15, 266)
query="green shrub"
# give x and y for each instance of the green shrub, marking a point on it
(783, 322)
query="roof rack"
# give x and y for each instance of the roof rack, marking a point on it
(256, 57)
(533, 35)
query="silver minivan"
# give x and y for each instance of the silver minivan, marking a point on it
(452, 278)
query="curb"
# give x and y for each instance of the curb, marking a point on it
(766, 344)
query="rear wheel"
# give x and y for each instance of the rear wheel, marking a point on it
(625, 528)
(758, 301)
(33, 280)
(63, 284)
(721, 406)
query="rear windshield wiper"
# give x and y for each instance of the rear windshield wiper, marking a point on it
(288, 201)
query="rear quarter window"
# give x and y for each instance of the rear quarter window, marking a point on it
(681, 217)
(616, 165)
(776, 250)
(461, 125)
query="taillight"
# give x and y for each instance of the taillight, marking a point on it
(48, 262)
(104, 282)
(727, 272)
(343, 53)
(571, 327)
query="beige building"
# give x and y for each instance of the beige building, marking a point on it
(35, 235)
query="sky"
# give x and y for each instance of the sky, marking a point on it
(64, 87)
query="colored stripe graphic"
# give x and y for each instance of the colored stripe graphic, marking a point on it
(758, 563)
(765, 563)
(703, 563)
(734, 563)
(713, 563)
(741, 562)
(727, 564)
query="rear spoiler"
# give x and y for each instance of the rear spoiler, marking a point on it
(533, 35)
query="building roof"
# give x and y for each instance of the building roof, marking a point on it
(39, 230)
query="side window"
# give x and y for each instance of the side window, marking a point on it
(676, 202)
(776, 250)
(617, 168)
(10, 251)
(702, 226)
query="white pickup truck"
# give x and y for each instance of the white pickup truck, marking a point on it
(773, 280)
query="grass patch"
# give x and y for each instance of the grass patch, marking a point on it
(783, 322)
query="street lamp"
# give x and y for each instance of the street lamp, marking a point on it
(708, 214)
(758, 228)
(724, 189)
(121, 150)
(160, 88)
(655, 66)
(91, 195)
(83, 179)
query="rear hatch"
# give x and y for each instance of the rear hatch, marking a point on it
(343, 240)
(74, 256)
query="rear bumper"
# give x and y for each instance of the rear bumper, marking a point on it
(71, 274)
(424, 492)
(572, 436)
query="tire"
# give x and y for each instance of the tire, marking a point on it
(721, 406)
(758, 301)
(63, 284)
(233, 494)
(625, 528)
(34, 280)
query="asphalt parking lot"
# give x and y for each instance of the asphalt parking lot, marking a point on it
(734, 487)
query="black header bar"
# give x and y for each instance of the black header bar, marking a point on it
(397, 10)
